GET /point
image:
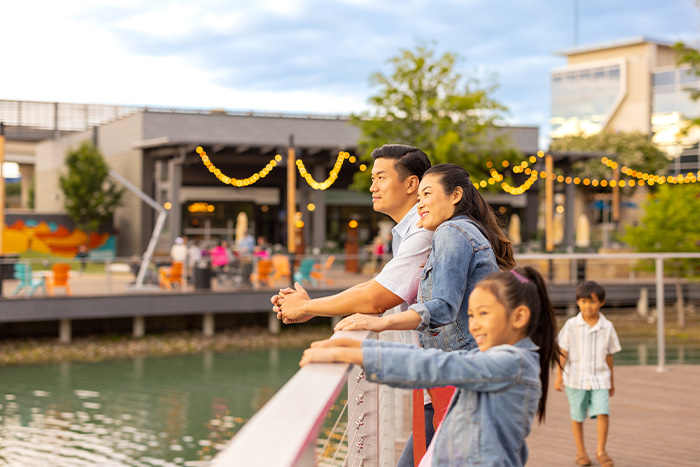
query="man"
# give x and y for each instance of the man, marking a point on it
(396, 174)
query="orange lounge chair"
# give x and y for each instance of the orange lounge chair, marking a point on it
(263, 274)
(60, 276)
(171, 275)
(321, 274)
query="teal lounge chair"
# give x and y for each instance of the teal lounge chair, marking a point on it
(23, 272)
(303, 274)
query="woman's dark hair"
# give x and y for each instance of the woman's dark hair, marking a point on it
(407, 159)
(525, 286)
(473, 205)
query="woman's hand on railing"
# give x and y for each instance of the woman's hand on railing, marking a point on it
(361, 321)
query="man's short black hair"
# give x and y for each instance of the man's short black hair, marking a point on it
(588, 288)
(407, 159)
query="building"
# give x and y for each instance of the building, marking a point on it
(628, 85)
(156, 150)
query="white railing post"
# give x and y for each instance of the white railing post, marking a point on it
(660, 318)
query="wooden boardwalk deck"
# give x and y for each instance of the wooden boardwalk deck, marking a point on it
(654, 421)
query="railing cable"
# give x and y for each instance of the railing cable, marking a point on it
(359, 378)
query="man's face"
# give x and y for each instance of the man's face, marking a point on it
(389, 194)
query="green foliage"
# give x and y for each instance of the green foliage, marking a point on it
(670, 224)
(427, 104)
(634, 150)
(90, 196)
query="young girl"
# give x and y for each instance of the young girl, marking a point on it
(498, 389)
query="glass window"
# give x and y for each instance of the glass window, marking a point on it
(689, 79)
(598, 73)
(615, 72)
(664, 78)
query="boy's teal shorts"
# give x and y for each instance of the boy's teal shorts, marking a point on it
(594, 401)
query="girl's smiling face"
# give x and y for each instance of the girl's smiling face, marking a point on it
(489, 321)
(434, 205)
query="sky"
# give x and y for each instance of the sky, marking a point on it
(304, 56)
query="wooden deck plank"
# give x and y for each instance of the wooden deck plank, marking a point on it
(654, 421)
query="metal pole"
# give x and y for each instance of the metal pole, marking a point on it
(291, 195)
(660, 325)
(2, 188)
(549, 203)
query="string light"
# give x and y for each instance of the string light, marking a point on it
(223, 178)
(332, 177)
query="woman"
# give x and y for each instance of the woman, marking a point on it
(467, 246)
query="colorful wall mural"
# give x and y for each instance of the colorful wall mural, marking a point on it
(51, 238)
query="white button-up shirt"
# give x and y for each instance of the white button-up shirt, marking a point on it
(587, 348)
(411, 247)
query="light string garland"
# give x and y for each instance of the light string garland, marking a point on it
(638, 178)
(342, 156)
(223, 178)
(332, 177)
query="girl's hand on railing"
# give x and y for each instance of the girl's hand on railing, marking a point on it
(337, 342)
(334, 354)
(360, 321)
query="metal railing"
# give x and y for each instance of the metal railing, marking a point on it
(285, 431)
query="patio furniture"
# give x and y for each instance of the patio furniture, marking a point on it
(23, 272)
(60, 275)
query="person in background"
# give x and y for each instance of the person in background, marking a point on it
(588, 342)
(82, 254)
(500, 386)
(246, 245)
(220, 258)
(194, 256)
(178, 253)
(261, 249)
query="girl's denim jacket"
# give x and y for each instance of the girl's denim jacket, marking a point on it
(491, 413)
(459, 258)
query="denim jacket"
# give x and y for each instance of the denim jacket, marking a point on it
(491, 413)
(460, 257)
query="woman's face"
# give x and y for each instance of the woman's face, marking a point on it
(434, 205)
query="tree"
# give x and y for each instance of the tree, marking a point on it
(427, 104)
(90, 196)
(631, 149)
(670, 224)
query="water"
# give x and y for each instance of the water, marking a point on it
(645, 352)
(163, 411)
(144, 412)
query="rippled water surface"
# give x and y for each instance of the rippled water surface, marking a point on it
(143, 412)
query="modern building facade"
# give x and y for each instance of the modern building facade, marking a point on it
(628, 85)
(156, 151)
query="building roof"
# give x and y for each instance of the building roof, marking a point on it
(613, 45)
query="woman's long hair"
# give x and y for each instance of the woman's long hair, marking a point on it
(474, 206)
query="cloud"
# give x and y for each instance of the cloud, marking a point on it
(301, 55)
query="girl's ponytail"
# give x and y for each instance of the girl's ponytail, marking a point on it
(543, 332)
(525, 286)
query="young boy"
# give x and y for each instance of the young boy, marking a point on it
(587, 342)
